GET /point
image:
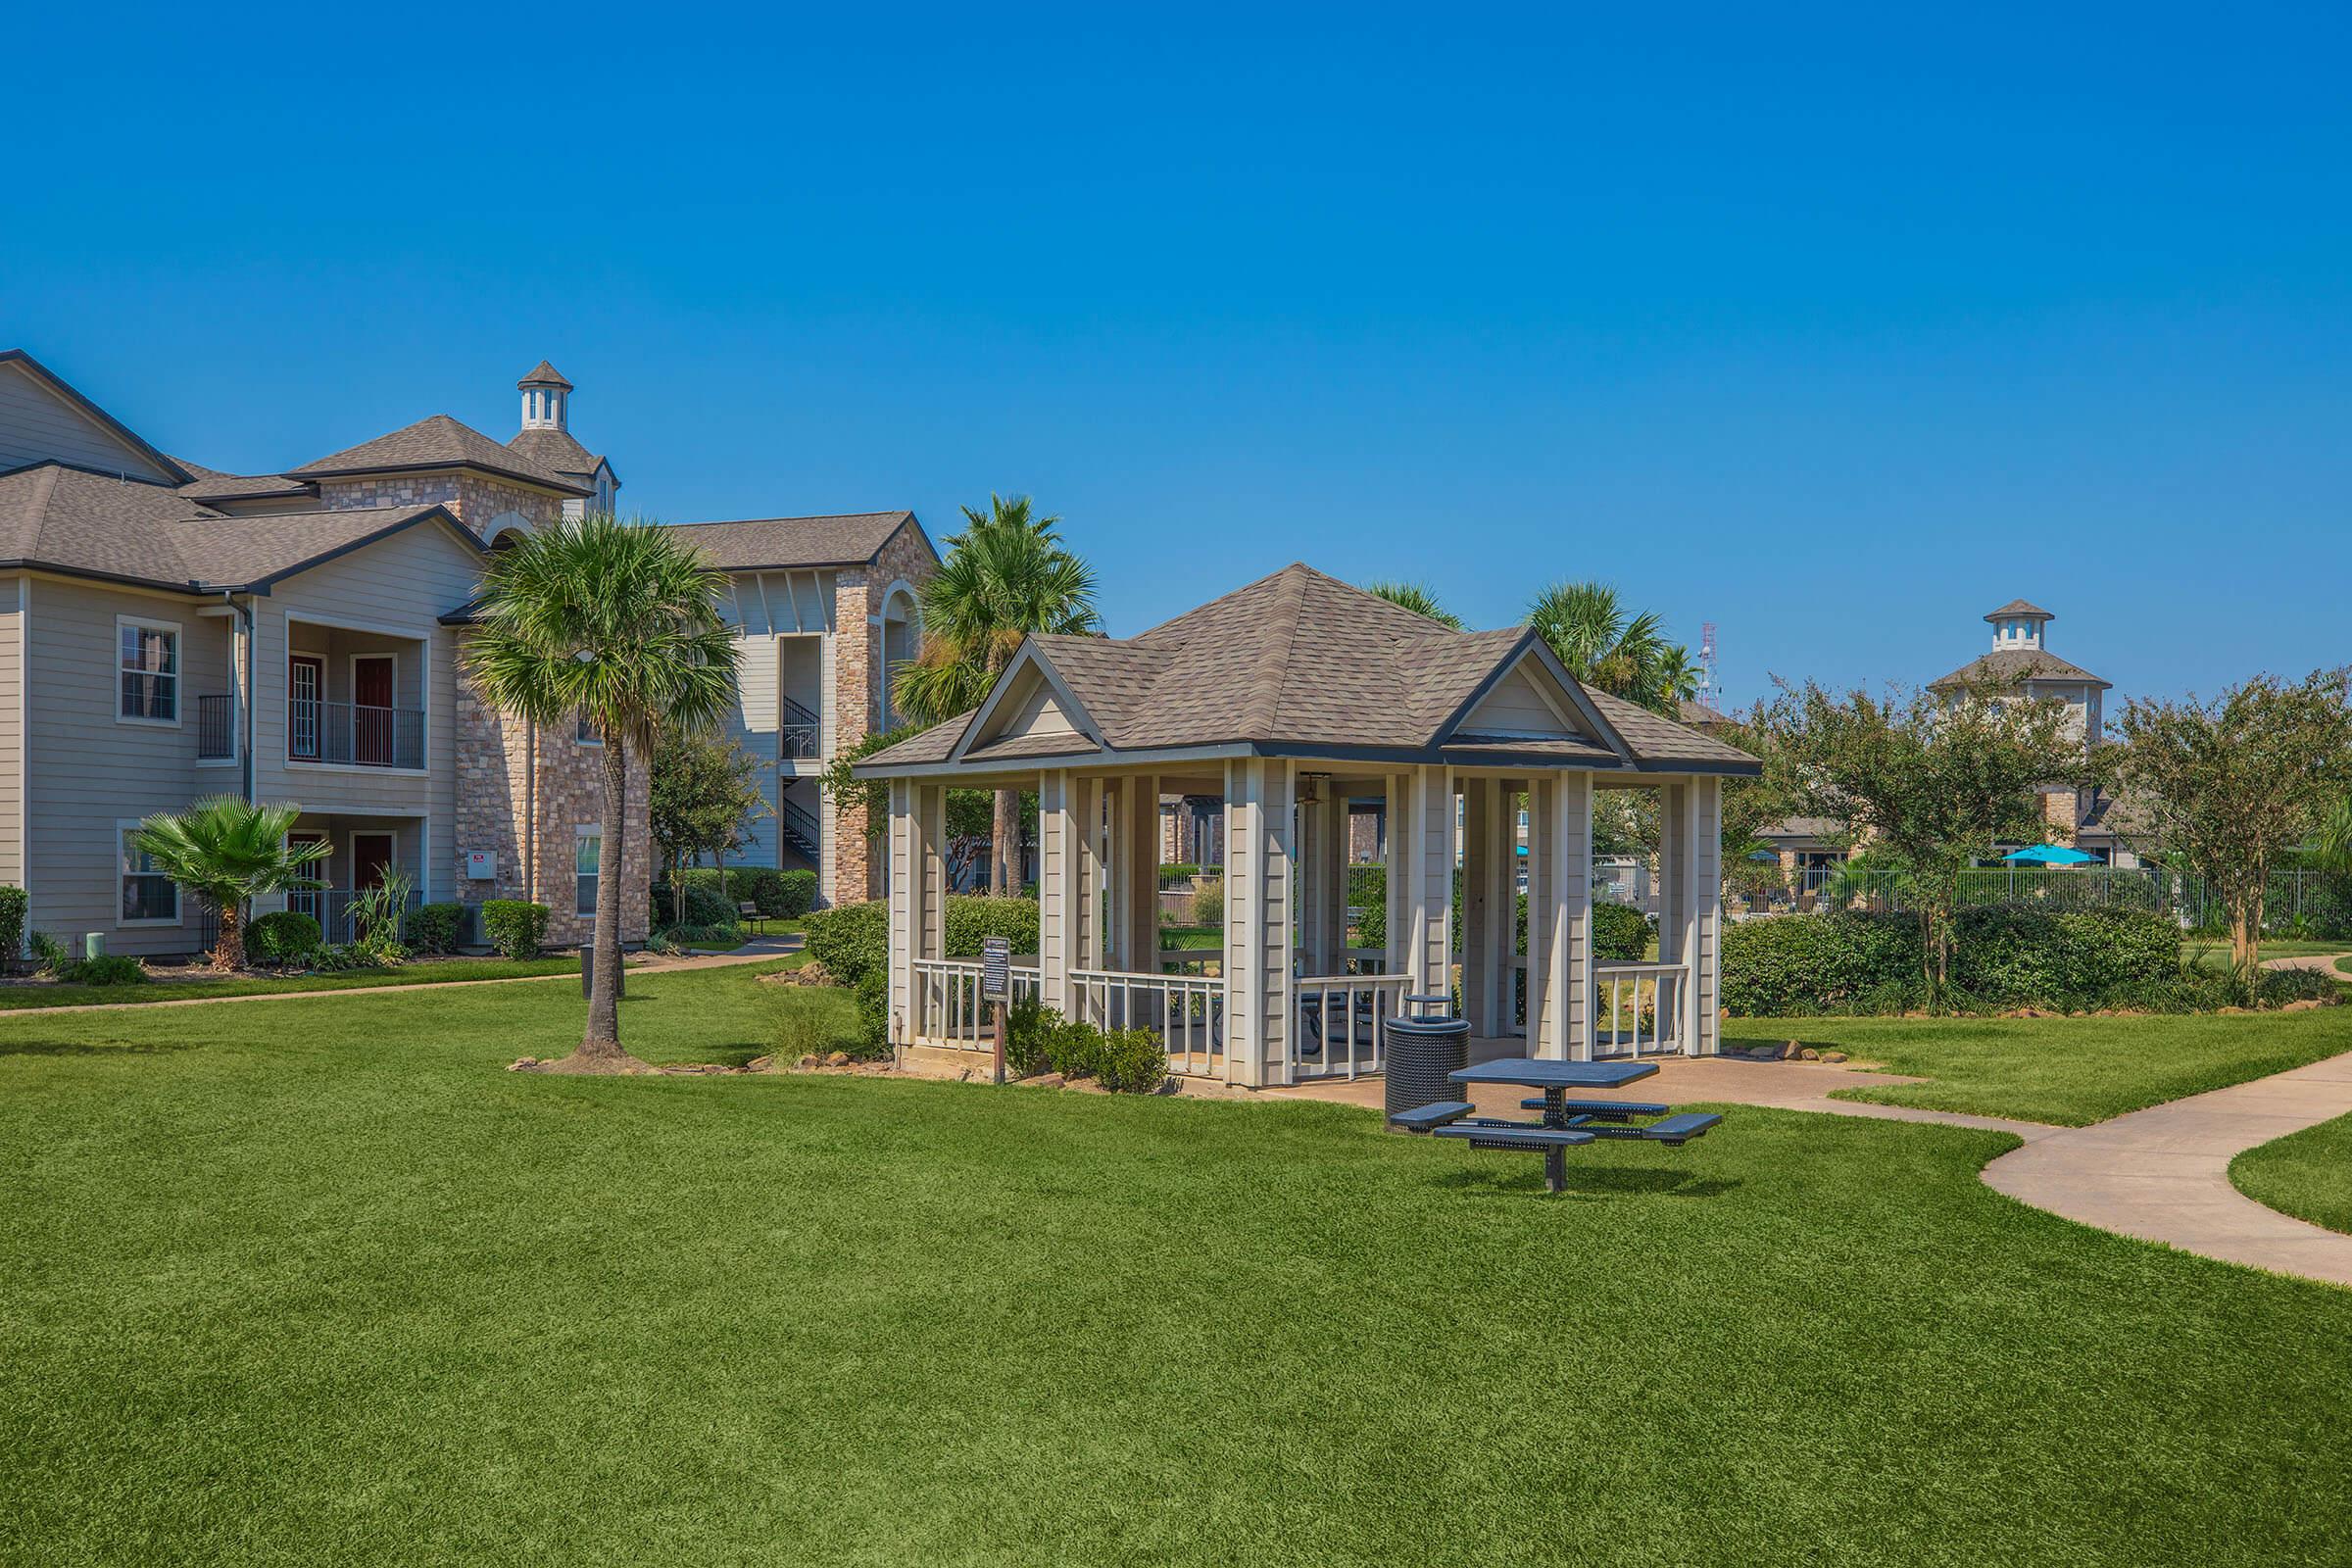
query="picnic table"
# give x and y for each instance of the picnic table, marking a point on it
(1566, 1123)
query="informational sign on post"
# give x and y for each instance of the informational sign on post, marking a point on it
(996, 988)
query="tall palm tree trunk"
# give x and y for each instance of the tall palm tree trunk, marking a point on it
(603, 1038)
(1004, 844)
(229, 952)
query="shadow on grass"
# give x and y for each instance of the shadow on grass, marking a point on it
(88, 1048)
(1605, 1183)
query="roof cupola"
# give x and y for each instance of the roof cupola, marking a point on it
(544, 394)
(2019, 627)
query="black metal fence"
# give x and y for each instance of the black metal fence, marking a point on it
(348, 732)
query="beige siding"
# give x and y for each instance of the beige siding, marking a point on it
(38, 426)
(13, 624)
(1515, 706)
(89, 771)
(391, 596)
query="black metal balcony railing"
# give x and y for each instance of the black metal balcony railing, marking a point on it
(795, 732)
(215, 727)
(346, 732)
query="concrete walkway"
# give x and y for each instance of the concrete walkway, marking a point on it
(2163, 1174)
(757, 950)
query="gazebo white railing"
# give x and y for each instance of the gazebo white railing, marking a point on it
(1336, 1032)
(1639, 1009)
(1187, 1013)
(948, 1005)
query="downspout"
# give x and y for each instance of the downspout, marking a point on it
(246, 694)
(530, 810)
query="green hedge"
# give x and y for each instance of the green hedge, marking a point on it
(2004, 956)
(1619, 931)
(515, 928)
(13, 903)
(853, 941)
(434, 927)
(777, 895)
(283, 937)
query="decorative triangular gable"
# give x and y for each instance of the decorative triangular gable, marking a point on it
(43, 419)
(1031, 705)
(1524, 701)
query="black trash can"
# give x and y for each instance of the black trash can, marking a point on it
(1416, 1054)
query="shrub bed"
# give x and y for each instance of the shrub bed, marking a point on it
(776, 895)
(852, 943)
(433, 927)
(2004, 956)
(283, 938)
(513, 927)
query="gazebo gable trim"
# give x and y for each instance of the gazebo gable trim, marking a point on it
(1029, 658)
(1565, 689)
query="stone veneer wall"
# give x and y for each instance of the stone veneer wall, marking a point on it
(495, 751)
(857, 855)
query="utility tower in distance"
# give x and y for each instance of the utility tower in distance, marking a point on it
(1710, 686)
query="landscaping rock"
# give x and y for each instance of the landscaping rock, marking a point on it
(1808, 1053)
(1833, 1055)
(523, 1064)
(1042, 1080)
(1085, 1086)
(2305, 1004)
(839, 1058)
(812, 973)
(806, 1064)
(760, 1064)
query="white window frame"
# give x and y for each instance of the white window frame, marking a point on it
(581, 833)
(122, 874)
(179, 671)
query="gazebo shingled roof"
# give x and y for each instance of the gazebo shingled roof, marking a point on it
(1299, 661)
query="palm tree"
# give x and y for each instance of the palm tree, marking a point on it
(1005, 576)
(1586, 626)
(230, 850)
(1678, 676)
(1419, 599)
(616, 621)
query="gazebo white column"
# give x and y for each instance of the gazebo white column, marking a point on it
(1560, 916)
(1323, 879)
(1706, 892)
(1086, 794)
(1396, 862)
(1691, 903)
(1060, 905)
(1430, 956)
(918, 878)
(1489, 907)
(1135, 873)
(1259, 891)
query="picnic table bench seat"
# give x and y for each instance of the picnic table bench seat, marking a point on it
(1676, 1131)
(1429, 1118)
(1489, 1134)
(1599, 1110)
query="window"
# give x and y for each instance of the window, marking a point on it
(588, 850)
(584, 731)
(147, 658)
(149, 897)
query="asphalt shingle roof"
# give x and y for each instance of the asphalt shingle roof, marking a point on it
(2018, 606)
(1301, 659)
(63, 519)
(211, 484)
(437, 441)
(2007, 666)
(557, 452)
(758, 542)
(545, 374)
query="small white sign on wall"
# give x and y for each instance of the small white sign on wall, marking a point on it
(481, 865)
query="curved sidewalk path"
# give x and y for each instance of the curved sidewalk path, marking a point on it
(755, 950)
(2160, 1174)
(2163, 1174)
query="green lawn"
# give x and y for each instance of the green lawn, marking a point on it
(436, 972)
(2213, 952)
(2071, 1071)
(2307, 1175)
(317, 1283)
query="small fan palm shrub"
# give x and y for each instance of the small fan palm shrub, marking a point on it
(229, 850)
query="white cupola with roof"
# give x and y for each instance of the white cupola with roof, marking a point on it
(544, 394)
(2020, 627)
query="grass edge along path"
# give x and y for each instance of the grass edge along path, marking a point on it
(2307, 1174)
(439, 971)
(2066, 1072)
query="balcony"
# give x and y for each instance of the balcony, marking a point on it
(215, 729)
(355, 735)
(797, 737)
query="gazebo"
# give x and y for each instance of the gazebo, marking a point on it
(1290, 698)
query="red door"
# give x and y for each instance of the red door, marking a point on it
(370, 859)
(371, 710)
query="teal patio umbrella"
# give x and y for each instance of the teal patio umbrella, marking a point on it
(2050, 855)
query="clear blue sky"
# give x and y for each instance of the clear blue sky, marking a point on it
(1834, 328)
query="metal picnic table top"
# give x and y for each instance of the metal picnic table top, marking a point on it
(1538, 1072)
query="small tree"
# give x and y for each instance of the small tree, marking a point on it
(2228, 787)
(230, 850)
(1935, 781)
(970, 813)
(705, 796)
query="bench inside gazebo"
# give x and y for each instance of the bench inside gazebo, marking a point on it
(1290, 698)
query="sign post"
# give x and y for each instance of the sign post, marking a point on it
(996, 986)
